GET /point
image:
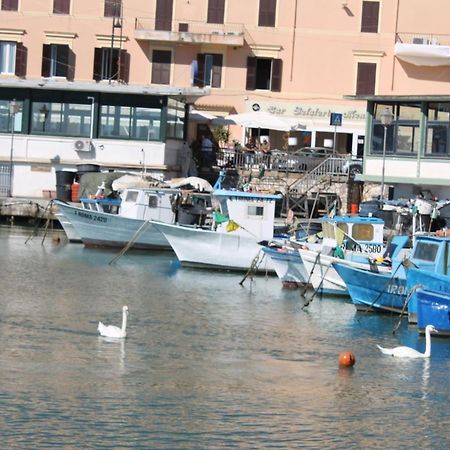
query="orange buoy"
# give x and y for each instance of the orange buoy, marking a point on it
(346, 359)
(74, 191)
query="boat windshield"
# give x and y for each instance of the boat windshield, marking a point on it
(425, 251)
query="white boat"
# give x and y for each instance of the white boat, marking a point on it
(362, 234)
(245, 219)
(133, 224)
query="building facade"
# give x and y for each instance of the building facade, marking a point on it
(115, 78)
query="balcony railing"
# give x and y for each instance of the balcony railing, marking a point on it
(189, 31)
(423, 39)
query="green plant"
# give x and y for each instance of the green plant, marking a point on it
(221, 135)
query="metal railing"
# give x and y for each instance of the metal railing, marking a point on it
(191, 26)
(5, 179)
(424, 39)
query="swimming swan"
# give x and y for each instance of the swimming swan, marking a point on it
(408, 352)
(111, 330)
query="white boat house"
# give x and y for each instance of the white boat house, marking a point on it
(49, 125)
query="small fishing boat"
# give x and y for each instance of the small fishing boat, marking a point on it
(433, 307)
(388, 291)
(132, 224)
(309, 261)
(240, 222)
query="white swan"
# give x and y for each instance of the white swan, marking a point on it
(408, 352)
(111, 330)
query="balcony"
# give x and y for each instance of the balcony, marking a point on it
(424, 49)
(189, 32)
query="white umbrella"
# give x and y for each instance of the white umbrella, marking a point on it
(200, 116)
(262, 119)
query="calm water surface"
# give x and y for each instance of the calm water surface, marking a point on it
(207, 363)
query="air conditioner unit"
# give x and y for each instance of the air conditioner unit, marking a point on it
(82, 145)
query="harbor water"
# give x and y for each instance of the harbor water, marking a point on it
(207, 363)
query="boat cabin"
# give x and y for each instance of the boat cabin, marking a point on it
(363, 234)
(253, 213)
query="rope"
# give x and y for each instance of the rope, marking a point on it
(253, 266)
(411, 292)
(131, 242)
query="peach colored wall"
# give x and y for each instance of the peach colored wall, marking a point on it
(319, 60)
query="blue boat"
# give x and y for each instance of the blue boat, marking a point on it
(388, 291)
(433, 307)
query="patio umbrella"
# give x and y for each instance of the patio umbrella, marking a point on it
(201, 116)
(262, 119)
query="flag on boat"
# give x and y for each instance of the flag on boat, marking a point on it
(219, 218)
(232, 226)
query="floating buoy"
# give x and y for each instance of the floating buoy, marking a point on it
(347, 359)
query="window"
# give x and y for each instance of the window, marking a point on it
(152, 201)
(163, 16)
(267, 9)
(7, 57)
(61, 6)
(130, 122)
(255, 210)
(6, 116)
(209, 70)
(216, 10)
(365, 82)
(10, 5)
(175, 119)
(264, 73)
(438, 130)
(362, 232)
(60, 118)
(161, 60)
(113, 8)
(369, 17)
(111, 65)
(426, 251)
(57, 61)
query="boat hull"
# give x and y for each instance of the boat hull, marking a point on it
(433, 308)
(99, 229)
(288, 266)
(206, 248)
(429, 280)
(382, 292)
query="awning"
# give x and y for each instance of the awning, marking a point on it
(200, 116)
(423, 55)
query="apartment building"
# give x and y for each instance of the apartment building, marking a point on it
(112, 81)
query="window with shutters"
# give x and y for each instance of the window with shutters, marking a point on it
(113, 8)
(163, 15)
(161, 60)
(216, 9)
(55, 60)
(370, 16)
(264, 73)
(209, 70)
(366, 77)
(10, 5)
(111, 65)
(61, 6)
(267, 11)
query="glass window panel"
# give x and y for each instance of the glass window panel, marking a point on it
(343, 227)
(408, 138)
(409, 112)
(6, 116)
(439, 112)
(426, 251)
(437, 139)
(362, 232)
(378, 138)
(256, 210)
(7, 57)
